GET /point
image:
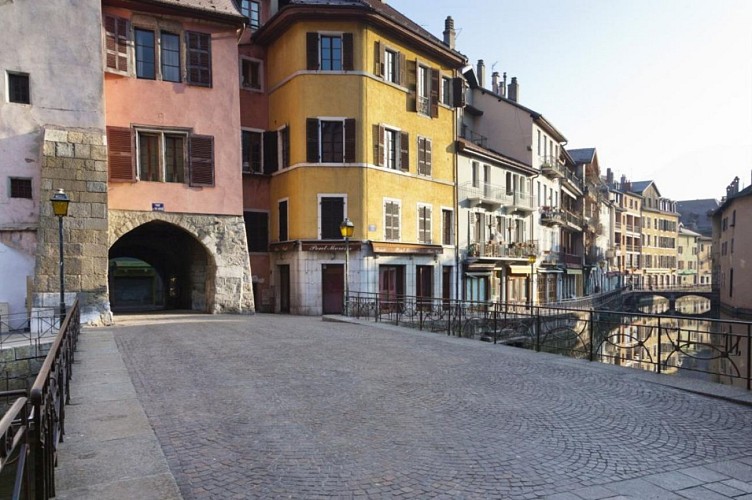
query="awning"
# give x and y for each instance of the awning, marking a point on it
(550, 270)
(406, 248)
(485, 267)
(570, 193)
(574, 272)
(519, 269)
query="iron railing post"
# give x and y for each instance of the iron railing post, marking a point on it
(537, 332)
(592, 333)
(660, 349)
(495, 321)
(749, 356)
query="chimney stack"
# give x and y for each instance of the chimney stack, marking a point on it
(609, 177)
(449, 34)
(503, 88)
(495, 82)
(481, 73)
(514, 90)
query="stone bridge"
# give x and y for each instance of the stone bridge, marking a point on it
(675, 293)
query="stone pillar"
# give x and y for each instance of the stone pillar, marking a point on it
(76, 161)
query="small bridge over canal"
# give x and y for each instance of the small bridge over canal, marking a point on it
(674, 294)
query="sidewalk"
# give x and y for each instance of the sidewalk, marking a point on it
(110, 451)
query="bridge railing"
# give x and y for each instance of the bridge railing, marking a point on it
(718, 350)
(34, 425)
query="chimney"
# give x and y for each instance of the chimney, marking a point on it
(495, 82)
(481, 74)
(609, 177)
(514, 90)
(449, 33)
(503, 88)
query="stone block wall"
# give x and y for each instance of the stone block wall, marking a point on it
(222, 278)
(76, 161)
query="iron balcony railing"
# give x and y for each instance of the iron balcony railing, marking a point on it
(503, 250)
(551, 166)
(477, 139)
(552, 216)
(485, 193)
(33, 426)
(667, 344)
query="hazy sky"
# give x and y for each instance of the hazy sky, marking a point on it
(662, 88)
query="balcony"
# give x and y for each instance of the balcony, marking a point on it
(516, 251)
(570, 259)
(573, 182)
(484, 194)
(573, 221)
(477, 139)
(552, 168)
(551, 216)
(520, 202)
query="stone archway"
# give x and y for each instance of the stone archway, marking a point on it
(202, 260)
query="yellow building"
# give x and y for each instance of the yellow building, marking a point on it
(659, 235)
(361, 99)
(627, 230)
(688, 257)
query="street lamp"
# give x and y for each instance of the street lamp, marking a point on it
(346, 229)
(60, 203)
(602, 265)
(531, 260)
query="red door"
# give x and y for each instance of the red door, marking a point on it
(333, 288)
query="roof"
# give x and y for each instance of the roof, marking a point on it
(641, 186)
(377, 6)
(220, 7)
(586, 155)
(687, 232)
(695, 214)
(744, 192)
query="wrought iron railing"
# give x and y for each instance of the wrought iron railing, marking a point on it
(28, 329)
(721, 350)
(32, 428)
(503, 250)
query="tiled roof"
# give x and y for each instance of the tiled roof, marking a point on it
(382, 8)
(223, 7)
(640, 186)
(582, 155)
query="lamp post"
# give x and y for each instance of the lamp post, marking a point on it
(602, 265)
(346, 229)
(531, 260)
(60, 203)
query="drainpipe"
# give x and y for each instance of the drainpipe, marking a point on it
(457, 272)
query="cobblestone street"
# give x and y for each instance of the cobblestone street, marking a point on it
(279, 406)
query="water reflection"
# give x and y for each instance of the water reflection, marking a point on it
(711, 350)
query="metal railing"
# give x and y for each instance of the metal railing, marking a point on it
(503, 250)
(28, 329)
(35, 423)
(721, 350)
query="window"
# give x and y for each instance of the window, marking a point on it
(476, 174)
(18, 88)
(284, 149)
(424, 224)
(252, 151)
(250, 73)
(424, 90)
(331, 215)
(329, 52)
(257, 231)
(198, 58)
(160, 156)
(424, 156)
(330, 140)
(20, 188)
(447, 227)
(446, 91)
(252, 13)
(116, 44)
(391, 66)
(391, 220)
(282, 208)
(392, 148)
(145, 54)
(170, 57)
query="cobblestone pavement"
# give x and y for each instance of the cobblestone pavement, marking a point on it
(280, 406)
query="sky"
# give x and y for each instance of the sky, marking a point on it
(661, 88)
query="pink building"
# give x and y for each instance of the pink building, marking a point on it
(176, 237)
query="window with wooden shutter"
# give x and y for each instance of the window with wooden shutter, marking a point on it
(411, 82)
(198, 58)
(120, 155)
(312, 140)
(348, 62)
(434, 93)
(378, 59)
(350, 140)
(270, 158)
(202, 160)
(424, 224)
(448, 223)
(284, 140)
(391, 221)
(116, 44)
(405, 152)
(332, 213)
(312, 51)
(282, 213)
(424, 156)
(378, 142)
(458, 92)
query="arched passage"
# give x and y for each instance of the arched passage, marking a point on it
(159, 265)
